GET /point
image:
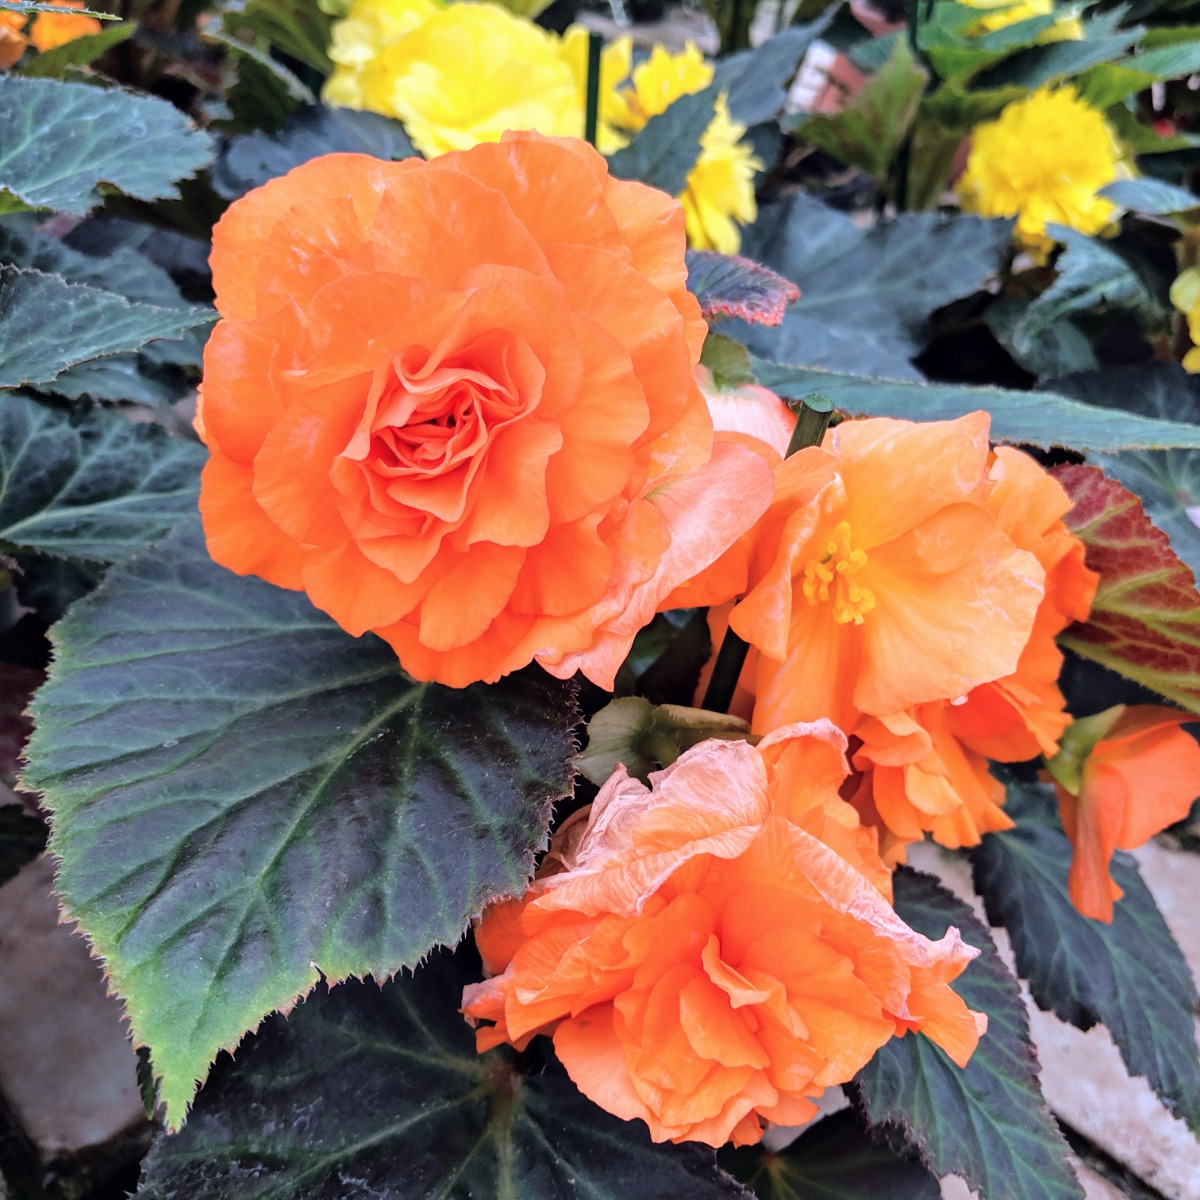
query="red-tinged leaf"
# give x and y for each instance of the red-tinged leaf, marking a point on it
(1145, 621)
(729, 286)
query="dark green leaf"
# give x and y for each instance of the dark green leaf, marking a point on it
(866, 295)
(1092, 275)
(989, 1122)
(1056, 349)
(1167, 62)
(1150, 196)
(730, 286)
(869, 130)
(89, 484)
(1129, 976)
(756, 81)
(1104, 42)
(249, 160)
(666, 149)
(1038, 418)
(59, 142)
(297, 27)
(367, 1091)
(79, 52)
(835, 1159)
(48, 325)
(266, 92)
(246, 798)
(1168, 481)
(22, 839)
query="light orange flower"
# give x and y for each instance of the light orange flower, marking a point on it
(56, 29)
(718, 949)
(927, 768)
(12, 38)
(454, 402)
(878, 579)
(1122, 776)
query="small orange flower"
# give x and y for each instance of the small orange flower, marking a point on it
(1121, 776)
(716, 950)
(12, 38)
(56, 29)
(454, 402)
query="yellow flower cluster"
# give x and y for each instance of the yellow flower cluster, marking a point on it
(1002, 13)
(459, 74)
(1042, 161)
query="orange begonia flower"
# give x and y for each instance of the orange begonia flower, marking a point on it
(927, 766)
(878, 579)
(12, 38)
(1122, 776)
(716, 950)
(56, 29)
(454, 402)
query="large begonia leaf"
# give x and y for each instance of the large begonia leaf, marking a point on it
(88, 484)
(869, 131)
(1130, 975)
(1145, 619)
(866, 295)
(833, 1159)
(730, 286)
(664, 152)
(988, 1122)
(250, 159)
(1166, 481)
(48, 325)
(60, 142)
(1039, 418)
(367, 1091)
(245, 798)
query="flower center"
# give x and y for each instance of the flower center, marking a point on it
(831, 577)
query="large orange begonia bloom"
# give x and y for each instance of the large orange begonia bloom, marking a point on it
(12, 37)
(454, 402)
(719, 948)
(53, 29)
(1122, 776)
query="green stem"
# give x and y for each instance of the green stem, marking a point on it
(812, 419)
(591, 117)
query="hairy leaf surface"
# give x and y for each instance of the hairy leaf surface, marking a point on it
(367, 1091)
(989, 1122)
(245, 798)
(1129, 976)
(88, 484)
(59, 142)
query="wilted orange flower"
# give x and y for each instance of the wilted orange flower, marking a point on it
(927, 767)
(56, 29)
(454, 402)
(1122, 776)
(12, 38)
(719, 948)
(878, 579)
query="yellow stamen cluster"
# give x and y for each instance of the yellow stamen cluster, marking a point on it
(831, 576)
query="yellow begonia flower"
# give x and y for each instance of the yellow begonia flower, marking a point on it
(1185, 296)
(456, 74)
(1003, 13)
(1042, 161)
(368, 28)
(720, 187)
